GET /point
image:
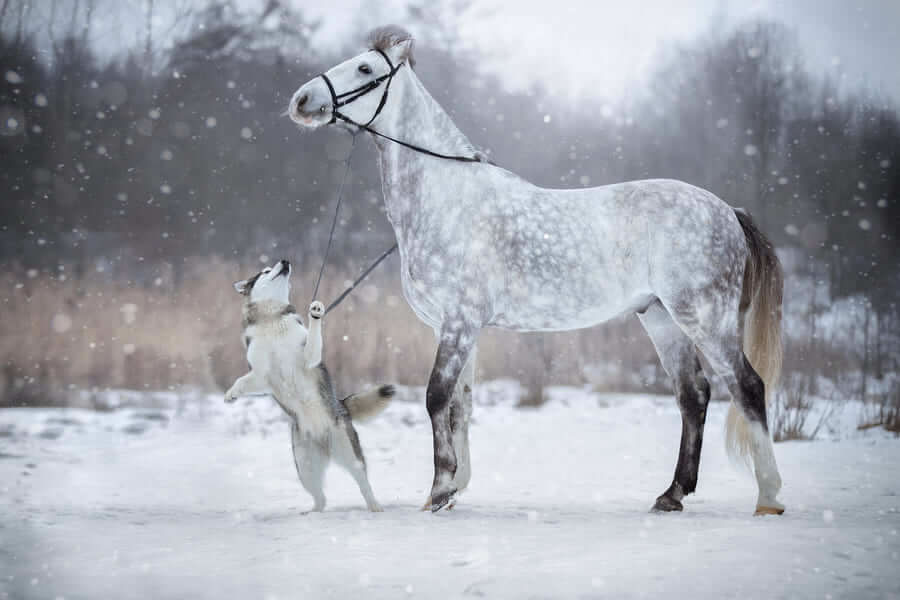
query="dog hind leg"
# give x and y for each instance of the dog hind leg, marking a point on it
(310, 458)
(348, 453)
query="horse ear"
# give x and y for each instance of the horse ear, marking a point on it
(403, 51)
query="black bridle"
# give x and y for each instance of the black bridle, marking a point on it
(345, 98)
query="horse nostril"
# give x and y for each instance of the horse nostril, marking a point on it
(302, 100)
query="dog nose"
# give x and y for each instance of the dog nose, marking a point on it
(302, 100)
(285, 264)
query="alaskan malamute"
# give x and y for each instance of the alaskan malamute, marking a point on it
(286, 362)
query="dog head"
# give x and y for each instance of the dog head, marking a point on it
(272, 283)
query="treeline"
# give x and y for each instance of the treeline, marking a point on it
(136, 164)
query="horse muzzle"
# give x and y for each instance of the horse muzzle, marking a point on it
(311, 106)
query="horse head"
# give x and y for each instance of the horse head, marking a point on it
(354, 92)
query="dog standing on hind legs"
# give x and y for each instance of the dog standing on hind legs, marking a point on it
(286, 362)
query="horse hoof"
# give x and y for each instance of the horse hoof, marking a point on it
(666, 504)
(444, 499)
(768, 510)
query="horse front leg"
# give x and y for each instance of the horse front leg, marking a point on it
(460, 415)
(456, 343)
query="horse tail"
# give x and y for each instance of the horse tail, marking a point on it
(760, 308)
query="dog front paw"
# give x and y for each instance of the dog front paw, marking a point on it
(230, 396)
(316, 310)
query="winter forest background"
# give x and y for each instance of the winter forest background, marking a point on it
(138, 185)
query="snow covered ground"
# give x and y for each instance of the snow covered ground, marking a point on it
(201, 501)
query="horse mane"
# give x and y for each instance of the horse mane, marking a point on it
(382, 38)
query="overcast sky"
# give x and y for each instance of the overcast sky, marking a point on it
(607, 46)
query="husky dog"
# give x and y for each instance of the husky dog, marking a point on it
(286, 362)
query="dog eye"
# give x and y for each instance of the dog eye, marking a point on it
(364, 68)
(267, 270)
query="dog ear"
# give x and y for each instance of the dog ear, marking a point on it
(242, 287)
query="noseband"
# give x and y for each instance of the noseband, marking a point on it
(345, 98)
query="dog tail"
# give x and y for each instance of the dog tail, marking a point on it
(368, 404)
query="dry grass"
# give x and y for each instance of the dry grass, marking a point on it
(792, 410)
(883, 410)
(94, 332)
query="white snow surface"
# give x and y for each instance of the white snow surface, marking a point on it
(201, 500)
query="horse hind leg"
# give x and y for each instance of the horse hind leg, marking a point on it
(719, 337)
(749, 388)
(679, 359)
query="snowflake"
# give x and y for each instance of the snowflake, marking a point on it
(61, 323)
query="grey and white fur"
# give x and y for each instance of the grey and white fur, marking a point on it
(286, 362)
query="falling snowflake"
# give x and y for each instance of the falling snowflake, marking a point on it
(129, 312)
(750, 150)
(61, 323)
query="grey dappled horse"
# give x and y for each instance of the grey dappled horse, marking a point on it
(481, 247)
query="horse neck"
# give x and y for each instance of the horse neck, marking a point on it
(413, 116)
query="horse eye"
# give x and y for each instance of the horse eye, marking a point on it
(364, 68)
